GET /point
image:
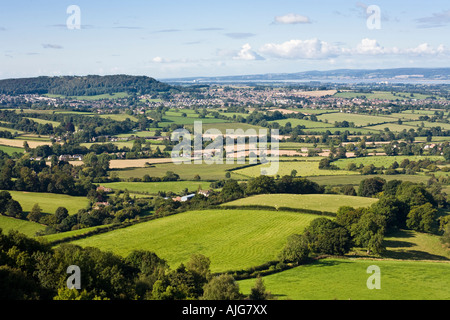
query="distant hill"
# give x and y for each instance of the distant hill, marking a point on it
(83, 85)
(398, 74)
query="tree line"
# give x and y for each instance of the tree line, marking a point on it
(84, 86)
(400, 205)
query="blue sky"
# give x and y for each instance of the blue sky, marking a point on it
(165, 39)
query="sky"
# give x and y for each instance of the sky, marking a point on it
(179, 38)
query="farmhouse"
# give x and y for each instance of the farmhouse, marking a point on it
(104, 189)
(205, 193)
(184, 198)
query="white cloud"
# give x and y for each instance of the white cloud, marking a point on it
(292, 18)
(301, 49)
(158, 60)
(369, 46)
(318, 49)
(246, 53)
(426, 49)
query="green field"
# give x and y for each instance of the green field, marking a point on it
(344, 279)
(300, 122)
(154, 187)
(118, 117)
(357, 119)
(426, 124)
(232, 239)
(10, 150)
(383, 95)
(320, 202)
(304, 169)
(379, 161)
(42, 121)
(356, 179)
(412, 245)
(224, 126)
(394, 127)
(186, 171)
(49, 202)
(26, 227)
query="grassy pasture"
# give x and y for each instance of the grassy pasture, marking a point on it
(304, 169)
(155, 187)
(357, 119)
(301, 122)
(224, 126)
(26, 227)
(118, 117)
(232, 239)
(379, 161)
(10, 150)
(426, 124)
(394, 127)
(322, 202)
(345, 279)
(18, 143)
(49, 202)
(186, 171)
(382, 95)
(42, 121)
(356, 179)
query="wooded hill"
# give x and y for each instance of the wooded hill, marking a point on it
(83, 85)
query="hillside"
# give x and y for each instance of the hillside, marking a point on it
(83, 85)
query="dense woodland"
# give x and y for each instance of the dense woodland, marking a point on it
(83, 86)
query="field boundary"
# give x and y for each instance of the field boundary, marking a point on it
(271, 208)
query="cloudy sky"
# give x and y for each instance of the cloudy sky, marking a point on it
(179, 38)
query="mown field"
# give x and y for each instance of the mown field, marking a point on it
(186, 171)
(23, 226)
(346, 279)
(379, 161)
(356, 179)
(155, 187)
(232, 239)
(304, 168)
(49, 202)
(357, 119)
(10, 150)
(320, 202)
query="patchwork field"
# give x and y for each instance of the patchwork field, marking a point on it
(321, 202)
(155, 187)
(357, 119)
(18, 143)
(186, 171)
(23, 226)
(379, 161)
(356, 179)
(49, 202)
(303, 168)
(344, 279)
(10, 150)
(232, 239)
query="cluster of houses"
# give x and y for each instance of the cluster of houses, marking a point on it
(188, 197)
(185, 198)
